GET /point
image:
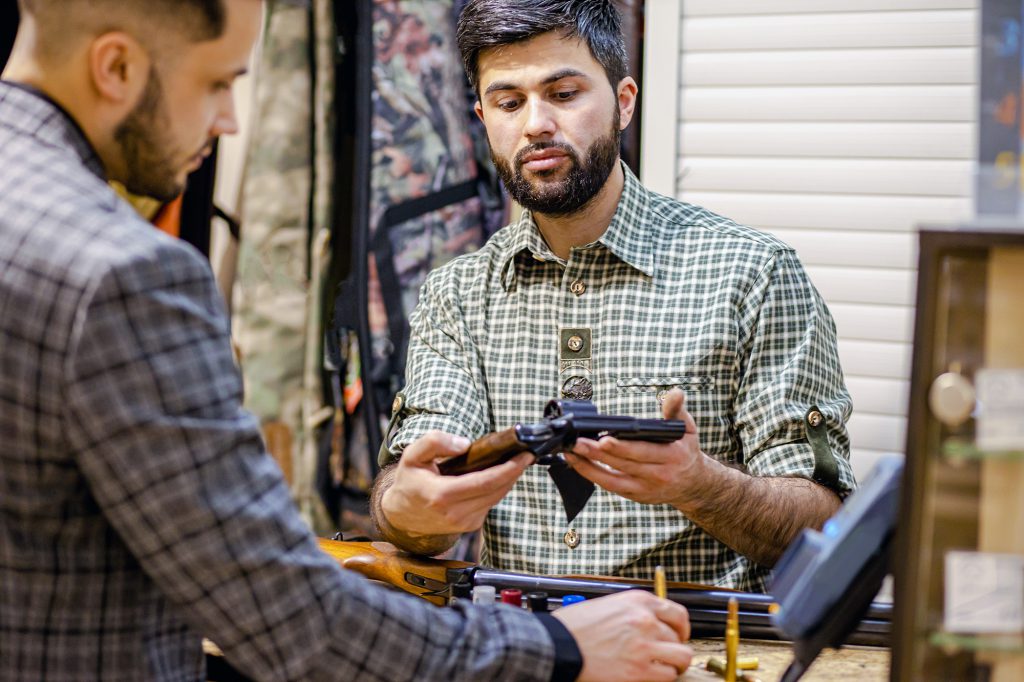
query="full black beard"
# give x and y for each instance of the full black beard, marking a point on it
(569, 195)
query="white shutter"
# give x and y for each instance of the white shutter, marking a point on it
(838, 125)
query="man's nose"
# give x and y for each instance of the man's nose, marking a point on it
(540, 120)
(226, 122)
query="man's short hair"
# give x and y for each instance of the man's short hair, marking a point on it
(149, 20)
(485, 24)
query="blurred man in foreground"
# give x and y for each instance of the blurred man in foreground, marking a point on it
(139, 509)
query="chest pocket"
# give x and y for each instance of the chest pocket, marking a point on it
(708, 400)
(643, 394)
(699, 383)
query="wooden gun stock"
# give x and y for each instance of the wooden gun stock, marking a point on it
(491, 450)
(382, 561)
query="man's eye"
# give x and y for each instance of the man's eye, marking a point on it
(508, 105)
(221, 86)
(565, 95)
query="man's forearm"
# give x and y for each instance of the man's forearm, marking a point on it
(758, 516)
(426, 545)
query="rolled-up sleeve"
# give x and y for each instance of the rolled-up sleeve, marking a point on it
(791, 363)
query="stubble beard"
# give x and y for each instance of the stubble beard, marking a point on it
(144, 137)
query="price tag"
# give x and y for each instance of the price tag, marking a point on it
(984, 593)
(1000, 422)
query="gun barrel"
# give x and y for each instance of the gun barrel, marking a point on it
(629, 428)
(707, 607)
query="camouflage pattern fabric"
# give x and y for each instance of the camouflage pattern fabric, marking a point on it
(285, 209)
(421, 143)
(421, 149)
(421, 146)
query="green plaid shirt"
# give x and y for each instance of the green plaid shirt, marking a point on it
(673, 295)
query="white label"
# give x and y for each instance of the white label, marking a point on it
(984, 593)
(1000, 421)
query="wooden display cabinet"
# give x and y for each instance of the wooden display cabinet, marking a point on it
(962, 504)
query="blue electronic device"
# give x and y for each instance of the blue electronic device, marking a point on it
(825, 581)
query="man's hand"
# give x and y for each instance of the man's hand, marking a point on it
(649, 473)
(754, 515)
(629, 636)
(422, 502)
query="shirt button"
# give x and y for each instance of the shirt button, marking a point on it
(575, 343)
(578, 287)
(571, 538)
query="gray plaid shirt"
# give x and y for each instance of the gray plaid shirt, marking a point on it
(138, 507)
(671, 295)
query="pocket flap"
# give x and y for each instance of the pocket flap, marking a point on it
(702, 382)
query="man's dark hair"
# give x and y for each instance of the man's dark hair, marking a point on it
(194, 20)
(485, 24)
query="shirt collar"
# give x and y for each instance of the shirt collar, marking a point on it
(628, 235)
(36, 114)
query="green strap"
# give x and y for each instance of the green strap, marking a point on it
(826, 470)
(385, 456)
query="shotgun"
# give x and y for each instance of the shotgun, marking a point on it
(564, 422)
(435, 580)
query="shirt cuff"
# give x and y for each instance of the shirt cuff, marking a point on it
(568, 659)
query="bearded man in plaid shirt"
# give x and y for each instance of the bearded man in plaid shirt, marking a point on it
(646, 305)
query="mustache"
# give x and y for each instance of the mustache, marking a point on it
(541, 146)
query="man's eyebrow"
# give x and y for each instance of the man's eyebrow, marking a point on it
(232, 75)
(564, 73)
(553, 78)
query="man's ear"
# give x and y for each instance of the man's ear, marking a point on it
(626, 94)
(479, 111)
(119, 67)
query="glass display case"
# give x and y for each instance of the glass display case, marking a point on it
(959, 555)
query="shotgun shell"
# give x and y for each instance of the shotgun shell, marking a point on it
(537, 602)
(512, 597)
(483, 594)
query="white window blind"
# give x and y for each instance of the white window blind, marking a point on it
(838, 125)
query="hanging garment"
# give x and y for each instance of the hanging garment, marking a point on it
(420, 200)
(361, 177)
(286, 211)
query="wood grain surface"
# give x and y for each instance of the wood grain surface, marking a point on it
(864, 664)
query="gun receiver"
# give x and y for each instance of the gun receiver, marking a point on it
(564, 422)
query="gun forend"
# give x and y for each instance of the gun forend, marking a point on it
(491, 450)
